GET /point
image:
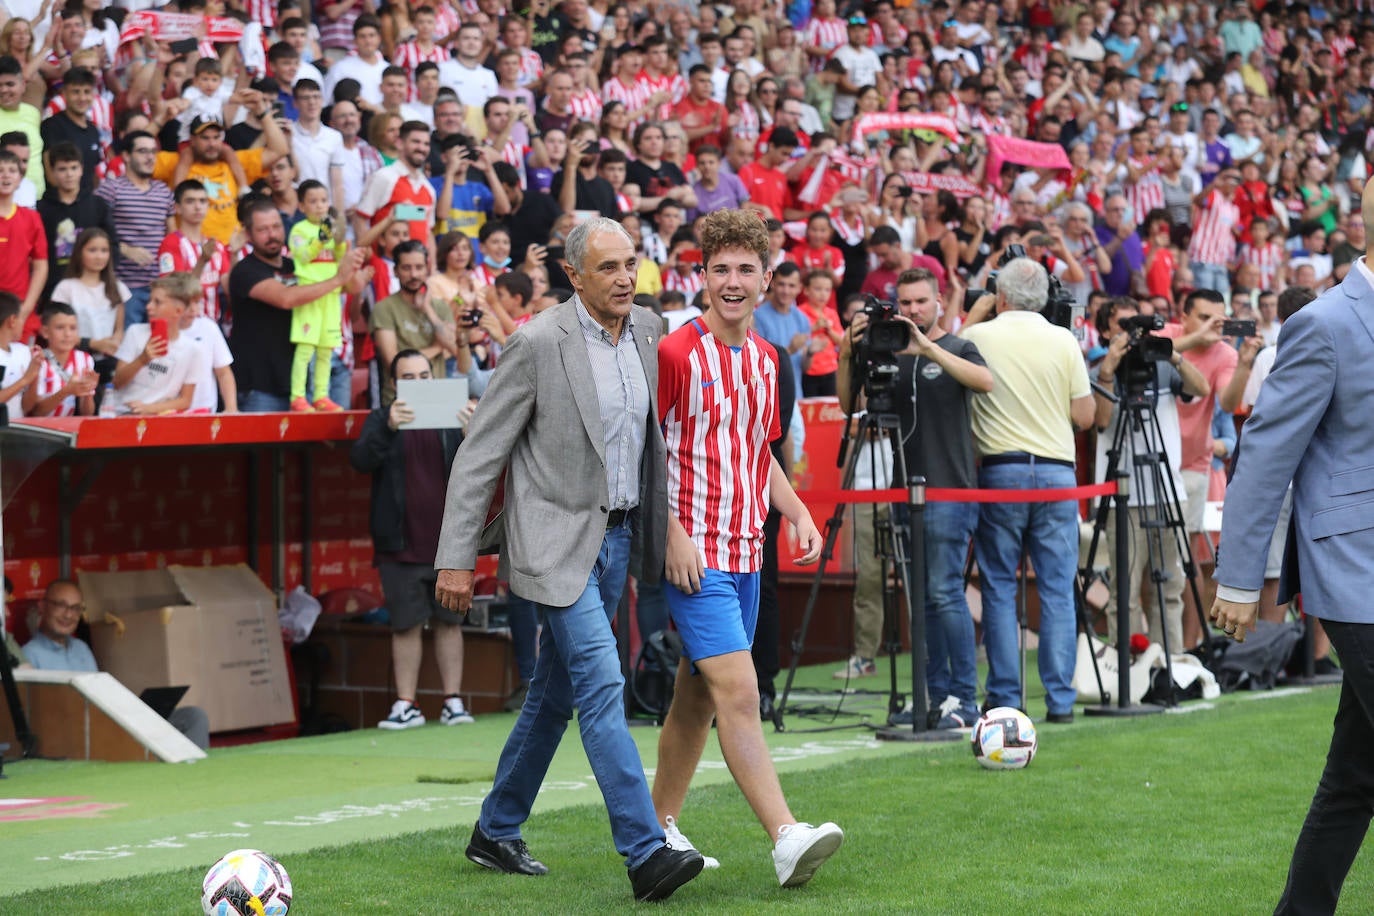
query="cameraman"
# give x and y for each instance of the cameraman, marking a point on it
(1024, 432)
(1163, 383)
(937, 375)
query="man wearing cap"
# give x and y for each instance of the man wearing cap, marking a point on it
(861, 67)
(210, 166)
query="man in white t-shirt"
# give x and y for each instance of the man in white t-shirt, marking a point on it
(365, 64)
(216, 378)
(19, 365)
(466, 76)
(861, 67)
(157, 375)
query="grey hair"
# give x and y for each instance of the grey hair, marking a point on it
(1024, 285)
(1078, 208)
(576, 244)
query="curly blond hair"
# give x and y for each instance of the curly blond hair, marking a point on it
(724, 229)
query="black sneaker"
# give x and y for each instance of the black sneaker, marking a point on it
(664, 872)
(1060, 718)
(511, 857)
(1325, 665)
(517, 699)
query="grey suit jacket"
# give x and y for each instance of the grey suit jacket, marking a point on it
(540, 421)
(1314, 424)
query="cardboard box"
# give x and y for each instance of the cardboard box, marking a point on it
(213, 628)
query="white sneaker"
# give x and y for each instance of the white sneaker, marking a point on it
(677, 841)
(404, 714)
(455, 713)
(801, 849)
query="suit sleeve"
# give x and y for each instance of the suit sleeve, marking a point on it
(502, 415)
(1291, 404)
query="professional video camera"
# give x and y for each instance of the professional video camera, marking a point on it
(875, 356)
(1143, 352)
(1061, 307)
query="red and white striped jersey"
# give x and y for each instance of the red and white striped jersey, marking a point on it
(982, 122)
(446, 20)
(486, 276)
(177, 252)
(1214, 230)
(531, 68)
(749, 125)
(1146, 194)
(263, 11)
(1034, 63)
(893, 39)
(689, 284)
(51, 378)
(720, 410)
(409, 56)
(827, 34)
(671, 83)
(586, 106)
(1267, 260)
(1000, 209)
(633, 96)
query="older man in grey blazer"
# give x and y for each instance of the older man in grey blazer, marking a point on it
(570, 414)
(1314, 424)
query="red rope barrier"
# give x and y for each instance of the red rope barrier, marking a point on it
(949, 495)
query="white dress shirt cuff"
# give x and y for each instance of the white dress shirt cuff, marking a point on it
(1238, 595)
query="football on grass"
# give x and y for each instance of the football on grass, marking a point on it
(1004, 739)
(246, 882)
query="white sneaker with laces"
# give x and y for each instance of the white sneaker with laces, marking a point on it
(801, 849)
(455, 713)
(404, 714)
(680, 843)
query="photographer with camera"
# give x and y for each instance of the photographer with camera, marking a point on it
(927, 378)
(1024, 433)
(1142, 367)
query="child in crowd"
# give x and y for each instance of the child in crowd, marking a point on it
(822, 355)
(189, 249)
(1267, 254)
(205, 96)
(216, 375)
(682, 269)
(675, 309)
(157, 374)
(19, 364)
(66, 381)
(816, 253)
(316, 327)
(96, 296)
(612, 165)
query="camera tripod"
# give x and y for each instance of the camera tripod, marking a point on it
(895, 540)
(1139, 439)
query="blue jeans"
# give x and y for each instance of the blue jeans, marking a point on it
(579, 666)
(1050, 534)
(340, 381)
(136, 308)
(951, 645)
(524, 633)
(263, 402)
(1211, 276)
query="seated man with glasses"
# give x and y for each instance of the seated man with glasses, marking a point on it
(55, 647)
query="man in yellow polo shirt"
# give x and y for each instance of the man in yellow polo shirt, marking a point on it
(209, 164)
(1023, 430)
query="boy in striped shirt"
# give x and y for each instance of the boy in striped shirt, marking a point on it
(717, 393)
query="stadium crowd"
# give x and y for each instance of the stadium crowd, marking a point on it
(332, 186)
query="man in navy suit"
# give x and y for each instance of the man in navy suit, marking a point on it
(1314, 425)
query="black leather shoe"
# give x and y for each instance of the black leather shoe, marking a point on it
(511, 857)
(1060, 718)
(664, 872)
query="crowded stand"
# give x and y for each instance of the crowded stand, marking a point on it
(255, 205)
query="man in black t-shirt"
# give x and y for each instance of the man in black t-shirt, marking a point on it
(262, 292)
(938, 374)
(588, 191)
(73, 124)
(531, 218)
